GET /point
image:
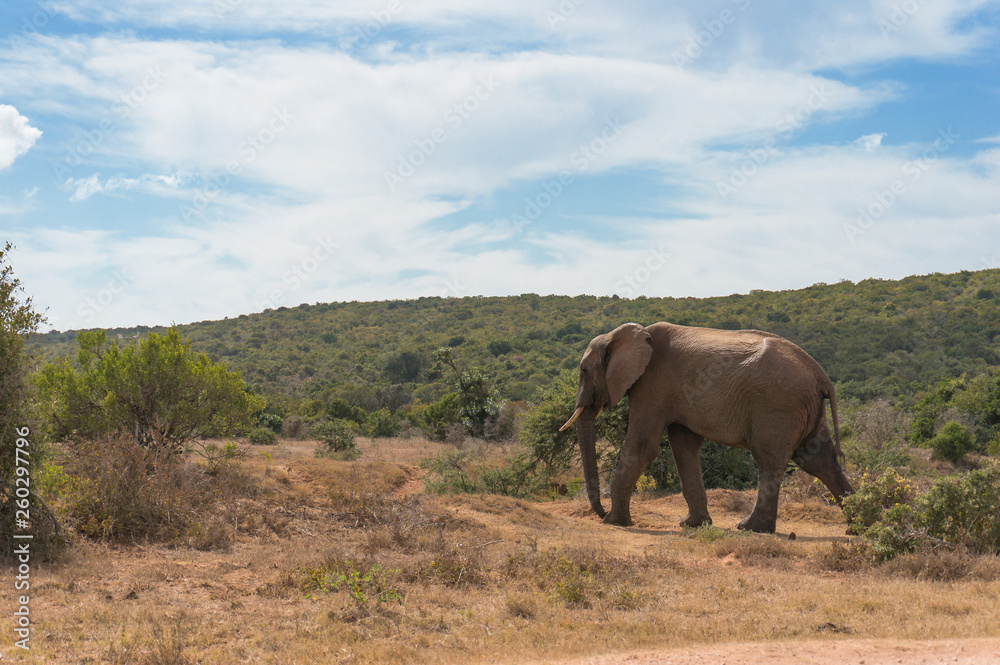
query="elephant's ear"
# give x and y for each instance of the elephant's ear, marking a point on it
(627, 355)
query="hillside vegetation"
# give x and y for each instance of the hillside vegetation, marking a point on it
(874, 338)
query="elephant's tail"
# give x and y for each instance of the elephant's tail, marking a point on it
(832, 396)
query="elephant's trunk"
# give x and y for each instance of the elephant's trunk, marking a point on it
(585, 433)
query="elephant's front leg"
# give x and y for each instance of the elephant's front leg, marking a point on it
(686, 447)
(640, 448)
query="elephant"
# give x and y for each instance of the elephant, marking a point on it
(744, 388)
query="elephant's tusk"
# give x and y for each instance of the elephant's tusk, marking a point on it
(599, 412)
(576, 414)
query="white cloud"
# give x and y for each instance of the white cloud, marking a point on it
(785, 33)
(16, 135)
(465, 125)
(282, 148)
(84, 188)
(870, 142)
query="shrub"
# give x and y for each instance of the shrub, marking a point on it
(381, 424)
(958, 511)
(121, 490)
(993, 447)
(881, 511)
(363, 582)
(262, 436)
(435, 419)
(337, 436)
(874, 496)
(293, 427)
(160, 391)
(877, 441)
(963, 510)
(457, 472)
(953, 442)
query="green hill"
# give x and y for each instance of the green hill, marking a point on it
(877, 337)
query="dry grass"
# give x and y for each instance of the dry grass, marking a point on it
(360, 566)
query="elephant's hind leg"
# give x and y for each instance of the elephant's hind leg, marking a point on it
(764, 518)
(686, 447)
(772, 461)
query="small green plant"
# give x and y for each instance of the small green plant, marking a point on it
(623, 597)
(953, 442)
(645, 486)
(569, 581)
(364, 583)
(707, 534)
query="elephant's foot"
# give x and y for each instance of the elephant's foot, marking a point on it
(696, 521)
(618, 520)
(757, 524)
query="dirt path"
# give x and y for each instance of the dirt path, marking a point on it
(828, 652)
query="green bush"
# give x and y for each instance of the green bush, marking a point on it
(953, 442)
(262, 436)
(960, 511)
(337, 438)
(993, 447)
(381, 424)
(460, 472)
(159, 390)
(963, 510)
(435, 419)
(874, 496)
(555, 450)
(271, 421)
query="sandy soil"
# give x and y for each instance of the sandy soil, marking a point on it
(830, 652)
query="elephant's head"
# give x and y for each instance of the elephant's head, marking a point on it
(612, 363)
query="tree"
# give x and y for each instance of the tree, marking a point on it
(478, 399)
(159, 391)
(17, 321)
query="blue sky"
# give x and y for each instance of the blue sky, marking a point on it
(179, 160)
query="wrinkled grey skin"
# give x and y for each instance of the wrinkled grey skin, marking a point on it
(743, 388)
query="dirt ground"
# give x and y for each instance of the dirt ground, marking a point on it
(487, 579)
(826, 652)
